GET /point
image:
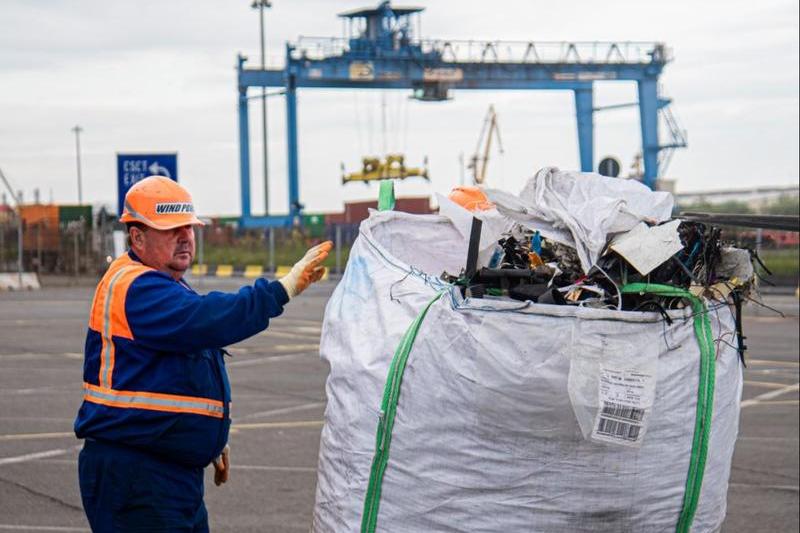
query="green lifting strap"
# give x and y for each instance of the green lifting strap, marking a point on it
(391, 393)
(386, 196)
(705, 395)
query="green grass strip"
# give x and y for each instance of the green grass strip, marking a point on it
(391, 393)
(705, 396)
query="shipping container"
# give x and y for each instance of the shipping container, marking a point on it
(40, 228)
(356, 212)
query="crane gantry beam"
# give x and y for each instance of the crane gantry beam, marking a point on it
(382, 53)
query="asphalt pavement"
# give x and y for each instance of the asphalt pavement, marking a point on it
(278, 381)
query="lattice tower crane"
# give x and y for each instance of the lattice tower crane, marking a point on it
(478, 163)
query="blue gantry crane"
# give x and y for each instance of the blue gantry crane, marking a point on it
(381, 51)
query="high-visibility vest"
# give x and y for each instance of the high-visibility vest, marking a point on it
(176, 404)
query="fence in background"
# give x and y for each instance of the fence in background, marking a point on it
(77, 248)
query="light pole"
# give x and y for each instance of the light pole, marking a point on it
(18, 201)
(260, 5)
(78, 130)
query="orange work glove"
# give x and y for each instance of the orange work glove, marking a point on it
(306, 271)
(222, 466)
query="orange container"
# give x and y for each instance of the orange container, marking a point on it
(40, 223)
(40, 213)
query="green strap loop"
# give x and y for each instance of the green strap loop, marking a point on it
(705, 396)
(391, 393)
(386, 196)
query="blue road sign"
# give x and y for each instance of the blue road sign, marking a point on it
(134, 167)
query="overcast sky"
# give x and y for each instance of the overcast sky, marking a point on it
(158, 75)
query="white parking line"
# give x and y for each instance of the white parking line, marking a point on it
(282, 411)
(293, 335)
(789, 488)
(267, 359)
(765, 384)
(770, 439)
(235, 427)
(38, 455)
(280, 425)
(18, 527)
(772, 362)
(297, 330)
(29, 436)
(286, 321)
(296, 347)
(770, 395)
(275, 468)
(51, 389)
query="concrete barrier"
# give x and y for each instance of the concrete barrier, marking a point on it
(11, 281)
(248, 271)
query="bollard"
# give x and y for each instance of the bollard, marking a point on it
(3, 248)
(77, 256)
(19, 244)
(200, 250)
(271, 250)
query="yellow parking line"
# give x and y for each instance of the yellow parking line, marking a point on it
(224, 271)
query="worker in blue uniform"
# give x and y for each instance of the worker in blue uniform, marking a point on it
(156, 403)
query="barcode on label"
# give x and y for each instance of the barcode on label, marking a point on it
(617, 429)
(623, 411)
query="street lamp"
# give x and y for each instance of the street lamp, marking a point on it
(78, 130)
(18, 202)
(260, 5)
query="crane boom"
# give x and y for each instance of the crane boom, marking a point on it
(479, 163)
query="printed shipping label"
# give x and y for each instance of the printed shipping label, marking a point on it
(625, 400)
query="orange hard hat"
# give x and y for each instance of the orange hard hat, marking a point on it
(470, 198)
(160, 203)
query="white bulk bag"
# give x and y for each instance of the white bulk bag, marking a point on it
(496, 426)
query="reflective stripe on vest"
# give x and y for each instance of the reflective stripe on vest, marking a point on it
(152, 401)
(107, 349)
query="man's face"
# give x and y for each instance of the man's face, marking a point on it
(170, 251)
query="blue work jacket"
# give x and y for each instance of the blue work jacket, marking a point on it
(154, 372)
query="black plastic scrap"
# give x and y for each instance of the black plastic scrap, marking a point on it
(526, 267)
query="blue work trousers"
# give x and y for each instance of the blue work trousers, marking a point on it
(125, 490)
